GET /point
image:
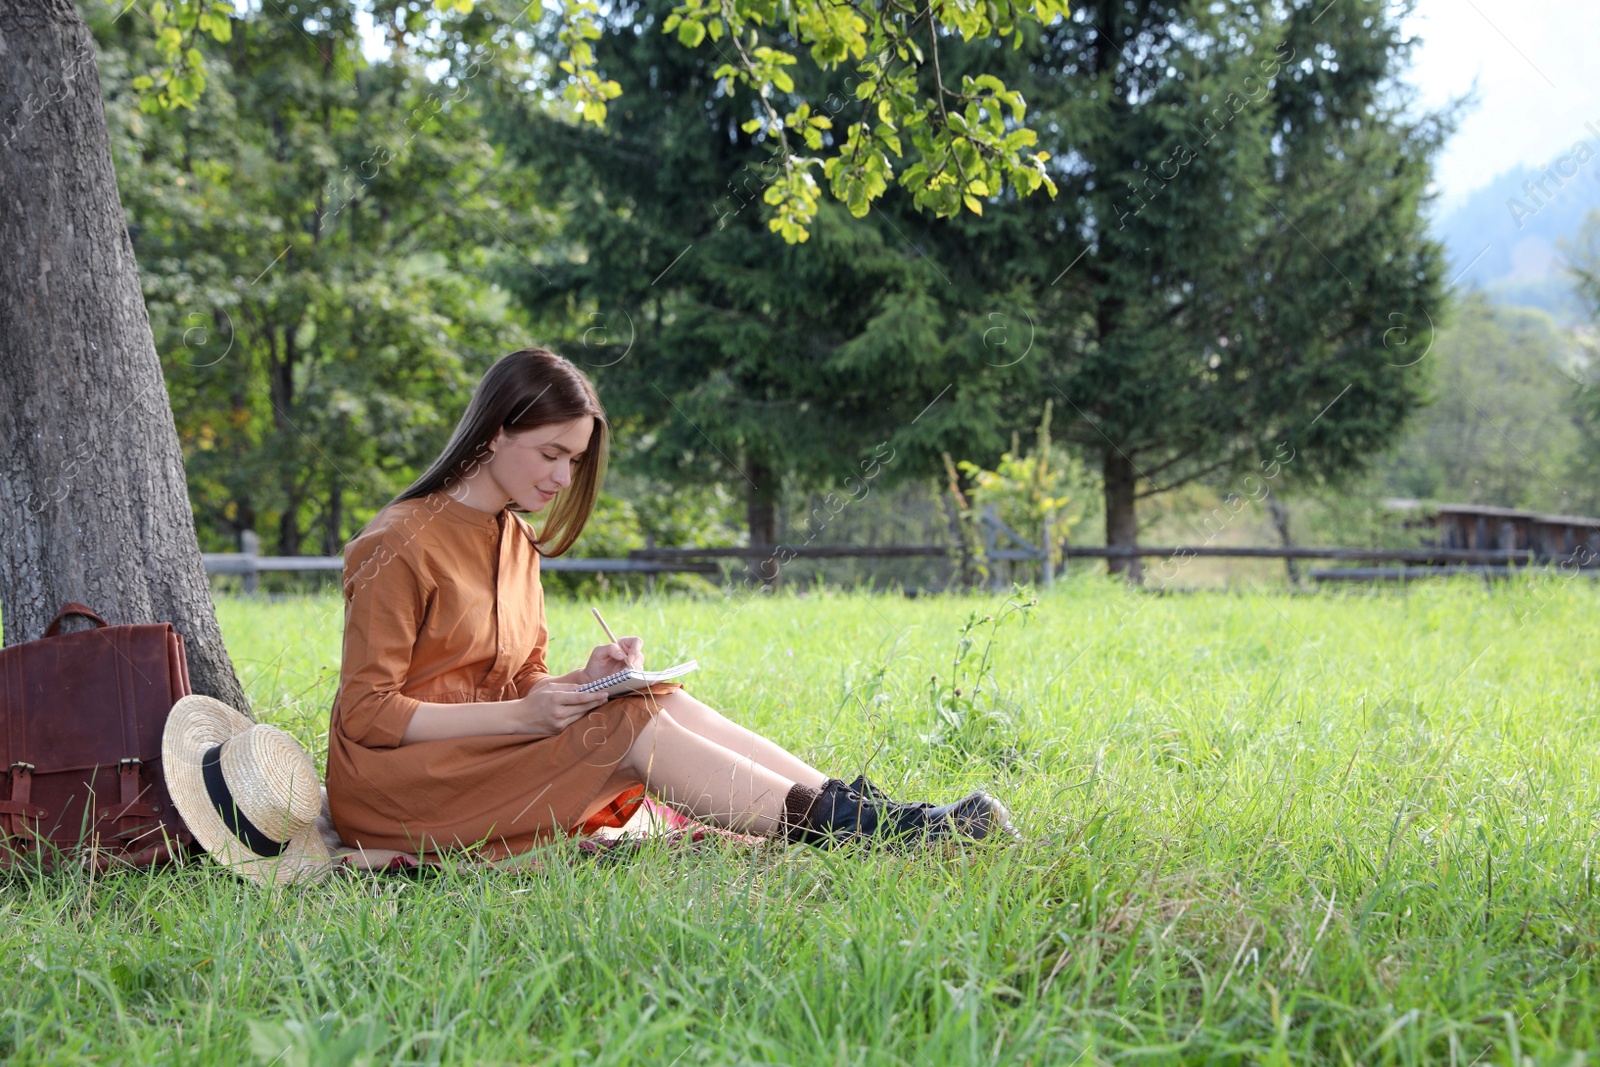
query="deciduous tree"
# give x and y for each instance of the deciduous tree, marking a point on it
(740, 357)
(313, 235)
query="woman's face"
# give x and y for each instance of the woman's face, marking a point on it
(532, 466)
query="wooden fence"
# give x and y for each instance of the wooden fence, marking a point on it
(1391, 555)
(250, 565)
(1429, 556)
(1421, 562)
(1415, 562)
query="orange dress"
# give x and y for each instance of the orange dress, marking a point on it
(443, 604)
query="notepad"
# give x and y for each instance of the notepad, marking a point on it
(630, 680)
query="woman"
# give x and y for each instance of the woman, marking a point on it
(448, 730)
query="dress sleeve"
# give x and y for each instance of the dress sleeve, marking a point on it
(533, 668)
(386, 602)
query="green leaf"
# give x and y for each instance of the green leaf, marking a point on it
(1019, 139)
(690, 34)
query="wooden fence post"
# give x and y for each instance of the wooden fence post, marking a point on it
(250, 545)
(1049, 554)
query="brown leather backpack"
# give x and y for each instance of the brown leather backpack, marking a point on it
(81, 717)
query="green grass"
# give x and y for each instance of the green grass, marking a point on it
(1265, 828)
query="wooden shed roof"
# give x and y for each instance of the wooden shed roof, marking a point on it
(1488, 512)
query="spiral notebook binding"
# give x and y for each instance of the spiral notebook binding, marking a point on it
(623, 675)
(603, 683)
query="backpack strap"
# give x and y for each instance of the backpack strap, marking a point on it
(15, 809)
(132, 817)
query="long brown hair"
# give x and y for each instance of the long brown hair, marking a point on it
(525, 390)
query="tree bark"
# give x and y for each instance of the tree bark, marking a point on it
(93, 502)
(1122, 518)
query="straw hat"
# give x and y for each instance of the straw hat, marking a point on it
(248, 791)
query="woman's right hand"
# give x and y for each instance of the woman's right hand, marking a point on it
(550, 707)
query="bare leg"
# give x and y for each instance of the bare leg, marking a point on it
(709, 723)
(704, 779)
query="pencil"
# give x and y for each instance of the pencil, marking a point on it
(603, 625)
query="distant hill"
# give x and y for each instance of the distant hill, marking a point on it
(1505, 238)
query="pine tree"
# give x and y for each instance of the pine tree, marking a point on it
(1236, 269)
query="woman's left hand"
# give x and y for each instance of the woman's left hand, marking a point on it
(621, 654)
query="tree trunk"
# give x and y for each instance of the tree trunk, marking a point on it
(333, 533)
(1122, 519)
(289, 537)
(1280, 520)
(761, 514)
(93, 502)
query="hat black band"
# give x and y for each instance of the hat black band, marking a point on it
(243, 828)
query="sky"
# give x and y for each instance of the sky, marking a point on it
(1535, 66)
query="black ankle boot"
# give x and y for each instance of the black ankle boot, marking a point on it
(975, 815)
(866, 788)
(837, 813)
